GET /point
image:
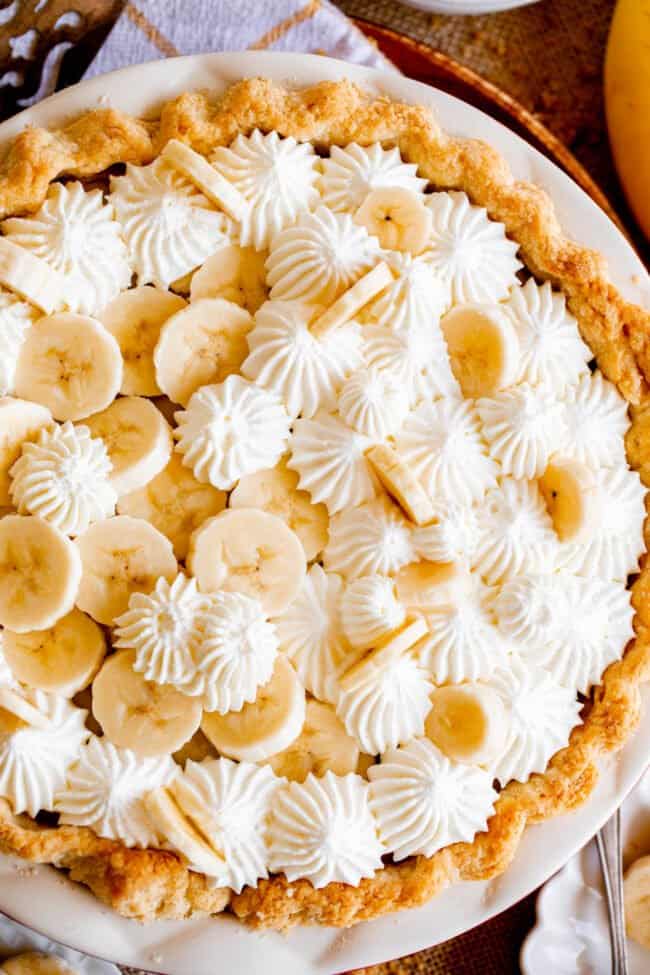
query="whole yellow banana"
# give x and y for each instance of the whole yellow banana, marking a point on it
(627, 102)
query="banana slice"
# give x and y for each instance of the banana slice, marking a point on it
(202, 344)
(468, 722)
(571, 494)
(234, 273)
(636, 895)
(276, 491)
(379, 657)
(398, 217)
(175, 503)
(120, 556)
(183, 834)
(30, 277)
(36, 963)
(148, 718)
(323, 745)
(135, 319)
(423, 585)
(20, 421)
(70, 364)
(250, 551)
(16, 712)
(138, 439)
(211, 183)
(483, 348)
(40, 573)
(351, 301)
(401, 483)
(266, 726)
(62, 659)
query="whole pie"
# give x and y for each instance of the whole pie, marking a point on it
(322, 465)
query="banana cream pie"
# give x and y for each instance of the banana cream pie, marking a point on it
(322, 466)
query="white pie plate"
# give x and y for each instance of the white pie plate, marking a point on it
(43, 898)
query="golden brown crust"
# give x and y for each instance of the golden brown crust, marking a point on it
(152, 884)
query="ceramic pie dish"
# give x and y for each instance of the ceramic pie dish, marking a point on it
(149, 884)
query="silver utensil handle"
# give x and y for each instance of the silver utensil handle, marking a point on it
(608, 841)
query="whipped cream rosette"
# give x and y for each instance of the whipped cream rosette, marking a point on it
(64, 478)
(463, 642)
(164, 627)
(550, 348)
(470, 251)
(230, 802)
(348, 174)
(311, 634)
(373, 539)
(452, 536)
(34, 758)
(306, 371)
(104, 788)
(571, 626)
(374, 402)
(322, 830)
(16, 316)
(169, 226)
(515, 532)
(320, 257)
(76, 233)
(441, 443)
(415, 358)
(523, 427)
(614, 548)
(595, 420)
(230, 429)
(330, 458)
(422, 801)
(418, 295)
(370, 610)
(542, 715)
(275, 176)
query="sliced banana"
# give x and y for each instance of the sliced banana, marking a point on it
(276, 491)
(376, 659)
(40, 573)
(250, 551)
(16, 712)
(266, 726)
(468, 722)
(398, 217)
(135, 319)
(138, 439)
(234, 273)
(323, 745)
(483, 348)
(70, 364)
(636, 895)
(183, 834)
(423, 585)
(571, 494)
(400, 482)
(351, 301)
(30, 277)
(148, 718)
(62, 659)
(120, 556)
(211, 183)
(201, 344)
(20, 421)
(36, 963)
(175, 503)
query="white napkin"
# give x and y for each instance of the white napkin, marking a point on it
(150, 29)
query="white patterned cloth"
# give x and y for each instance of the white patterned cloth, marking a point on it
(148, 29)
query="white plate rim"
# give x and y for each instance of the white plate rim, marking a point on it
(47, 902)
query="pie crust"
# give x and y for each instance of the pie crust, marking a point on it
(150, 884)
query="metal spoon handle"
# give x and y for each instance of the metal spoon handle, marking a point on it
(608, 841)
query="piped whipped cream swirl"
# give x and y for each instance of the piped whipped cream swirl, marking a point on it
(16, 316)
(372, 539)
(349, 174)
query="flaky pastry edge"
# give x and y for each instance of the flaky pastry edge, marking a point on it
(151, 884)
